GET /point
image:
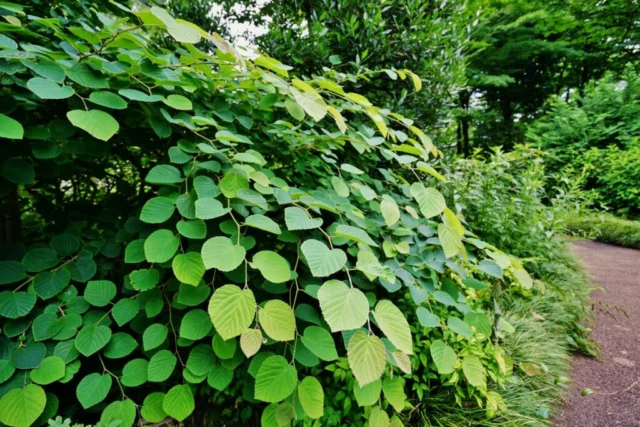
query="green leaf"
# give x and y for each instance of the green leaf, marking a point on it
(394, 325)
(341, 188)
(369, 394)
(134, 253)
(178, 402)
(192, 229)
(443, 356)
(294, 109)
(47, 69)
(92, 338)
(201, 359)
(273, 267)
(18, 171)
(250, 341)
(393, 389)
(157, 210)
(97, 123)
(50, 370)
(46, 326)
(49, 284)
(473, 371)
(121, 345)
(354, 233)
(311, 103)
(351, 169)
(136, 95)
(209, 208)
(48, 89)
(232, 182)
(93, 389)
(427, 318)
(273, 65)
(277, 320)
(7, 369)
(11, 272)
(10, 128)
(343, 308)
(319, 341)
(99, 292)
(178, 102)
(430, 200)
(87, 77)
(160, 246)
(378, 418)
(367, 357)
(459, 327)
(188, 268)
(123, 411)
(480, 321)
(134, 373)
(195, 325)
(311, 397)
(491, 268)
(220, 253)
(183, 31)
(232, 310)
(276, 380)
(108, 100)
(16, 304)
(21, 407)
(164, 174)
(152, 410)
(472, 283)
(450, 240)
(299, 219)
(389, 209)
(263, 223)
(144, 279)
(29, 356)
(219, 377)
(161, 366)
(322, 261)
(154, 336)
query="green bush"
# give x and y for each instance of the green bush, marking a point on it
(188, 227)
(607, 229)
(597, 132)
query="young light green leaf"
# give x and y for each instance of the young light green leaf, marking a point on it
(298, 219)
(232, 310)
(311, 397)
(389, 209)
(366, 356)
(93, 389)
(273, 267)
(356, 234)
(277, 320)
(188, 268)
(108, 100)
(393, 389)
(322, 261)
(473, 371)
(263, 223)
(50, 370)
(343, 308)
(48, 89)
(220, 253)
(430, 200)
(394, 325)
(443, 356)
(10, 128)
(21, 407)
(251, 341)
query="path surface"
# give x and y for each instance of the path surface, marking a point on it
(617, 271)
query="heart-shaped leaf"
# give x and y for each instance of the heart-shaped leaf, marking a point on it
(323, 261)
(220, 253)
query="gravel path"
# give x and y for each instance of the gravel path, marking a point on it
(617, 271)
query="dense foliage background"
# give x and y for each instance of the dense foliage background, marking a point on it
(316, 229)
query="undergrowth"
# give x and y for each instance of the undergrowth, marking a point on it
(607, 229)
